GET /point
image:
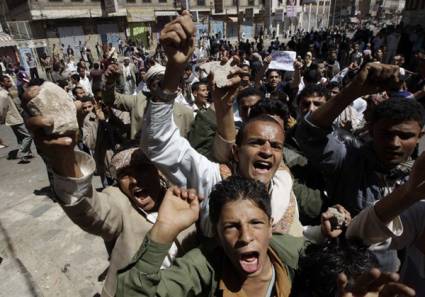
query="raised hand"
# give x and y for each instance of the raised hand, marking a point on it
(376, 77)
(374, 284)
(415, 186)
(223, 97)
(59, 150)
(178, 39)
(112, 73)
(334, 220)
(179, 210)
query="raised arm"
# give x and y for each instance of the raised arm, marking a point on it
(96, 213)
(111, 98)
(381, 221)
(371, 79)
(189, 276)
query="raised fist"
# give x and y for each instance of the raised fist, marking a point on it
(178, 39)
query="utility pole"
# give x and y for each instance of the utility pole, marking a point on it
(239, 21)
(333, 13)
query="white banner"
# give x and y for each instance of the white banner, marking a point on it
(283, 60)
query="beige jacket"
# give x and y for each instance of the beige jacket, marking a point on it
(136, 105)
(108, 214)
(9, 104)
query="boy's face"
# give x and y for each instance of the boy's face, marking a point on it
(394, 142)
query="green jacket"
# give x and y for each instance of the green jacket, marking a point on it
(197, 273)
(201, 135)
(136, 106)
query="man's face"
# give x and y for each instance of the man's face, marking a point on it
(82, 72)
(79, 93)
(126, 62)
(332, 56)
(187, 73)
(201, 95)
(274, 79)
(87, 107)
(245, 105)
(394, 142)
(310, 104)
(260, 152)
(141, 186)
(245, 81)
(6, 83)
(244, 232)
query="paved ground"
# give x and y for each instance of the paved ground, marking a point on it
(43, 253)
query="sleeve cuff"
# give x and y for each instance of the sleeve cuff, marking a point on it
(392, 229)
(70, 189)
(150, 255)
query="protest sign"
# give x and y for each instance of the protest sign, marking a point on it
(283, 60)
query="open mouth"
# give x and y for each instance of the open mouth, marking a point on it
(140, 193)
(249, 262)
(262, 166)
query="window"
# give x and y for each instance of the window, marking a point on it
(131, 1)
(200, 2)
(55, 0)
(162, 1)
(146, 1)
(77, 0)
(251, 2)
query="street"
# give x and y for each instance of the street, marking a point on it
(42, 252)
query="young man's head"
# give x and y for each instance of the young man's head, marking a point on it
(273, 108)
(5, 82)
(321, 264)
(396, 125)
(240, 213)
(246, 99)
(258, 148)
(273, 78)
(79, 93)
(245, 80)
(82, 72)
(200, 93)
(87, 104)
(138, 179)
(311, 98)
(187, 71)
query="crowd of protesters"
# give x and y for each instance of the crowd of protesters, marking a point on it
(281, 183)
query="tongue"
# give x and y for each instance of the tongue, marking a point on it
(249, 264)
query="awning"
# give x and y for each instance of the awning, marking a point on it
(6, 40)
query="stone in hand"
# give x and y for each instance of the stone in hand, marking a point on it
(53, 102)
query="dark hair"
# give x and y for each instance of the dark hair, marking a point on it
(3, 77)
(188, 67)
(270, 107)
(196, 85)
(62, 83)
(86, 98)
(271, 70)
(399, 110)
(96, 65)
(250, 91)
(321, 264)
(237, 188)
(312, 90)
(262, 118)
(75, 76)
(74, 90)
(36, 82)
(312, 74)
